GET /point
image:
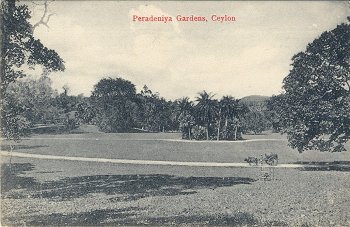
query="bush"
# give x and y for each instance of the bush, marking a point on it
(199, 132)
(233, 131)
(71, 123)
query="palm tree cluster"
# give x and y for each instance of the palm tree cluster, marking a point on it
(209, 118)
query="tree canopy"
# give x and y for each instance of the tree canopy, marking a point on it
(113, 99)
(19, 48)
(315, 109)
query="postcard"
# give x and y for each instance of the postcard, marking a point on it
(182, 113)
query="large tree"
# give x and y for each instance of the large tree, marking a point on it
(113, 99)
(255, 121)
(152, 110)
(315, 109)
(19, 48)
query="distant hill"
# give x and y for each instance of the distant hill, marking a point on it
(254, 99)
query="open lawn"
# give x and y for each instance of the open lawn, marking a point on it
(62, 192)
(167, 147)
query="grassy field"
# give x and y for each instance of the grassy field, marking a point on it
(167, 146)
(58, 192)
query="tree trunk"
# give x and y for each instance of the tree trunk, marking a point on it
(208, 130)
(219, 124)
(236, 128)
(225, 128)
(218, 136)
(189, 132)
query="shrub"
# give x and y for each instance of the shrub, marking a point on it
(199, 132)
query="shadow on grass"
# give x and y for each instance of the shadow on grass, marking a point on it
(20, 147)
(124, 187)
(10, 179)
(96, 217)
(342, 166)
(131, 217)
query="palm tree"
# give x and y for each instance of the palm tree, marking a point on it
(228, 107)
(240, 110)
(206, 108)
(184, 114)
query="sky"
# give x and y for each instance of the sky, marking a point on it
(250, 56)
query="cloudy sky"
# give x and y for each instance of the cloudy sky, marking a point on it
(247, 57)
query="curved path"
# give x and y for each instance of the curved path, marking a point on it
(146, 162)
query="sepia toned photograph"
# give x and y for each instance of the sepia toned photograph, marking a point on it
(175, 113)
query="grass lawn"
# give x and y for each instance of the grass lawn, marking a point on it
(168, 147)
(57, 192)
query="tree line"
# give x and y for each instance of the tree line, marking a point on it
(115, 106)
(118, 108)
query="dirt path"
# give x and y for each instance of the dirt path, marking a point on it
(147, 162)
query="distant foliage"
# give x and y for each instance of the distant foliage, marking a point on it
(71, 123)
(111, 98)
(116, 107)
(229, 118)
(315, 109)
(86, 112)
(210, 119)
(233, 130)
(155, 111)
(256, 122)
(256, 117)
(184, 114)
(199, 132)
(34, 100)
(206, 108)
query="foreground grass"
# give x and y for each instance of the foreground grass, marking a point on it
(56, 192)
(77, 193)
